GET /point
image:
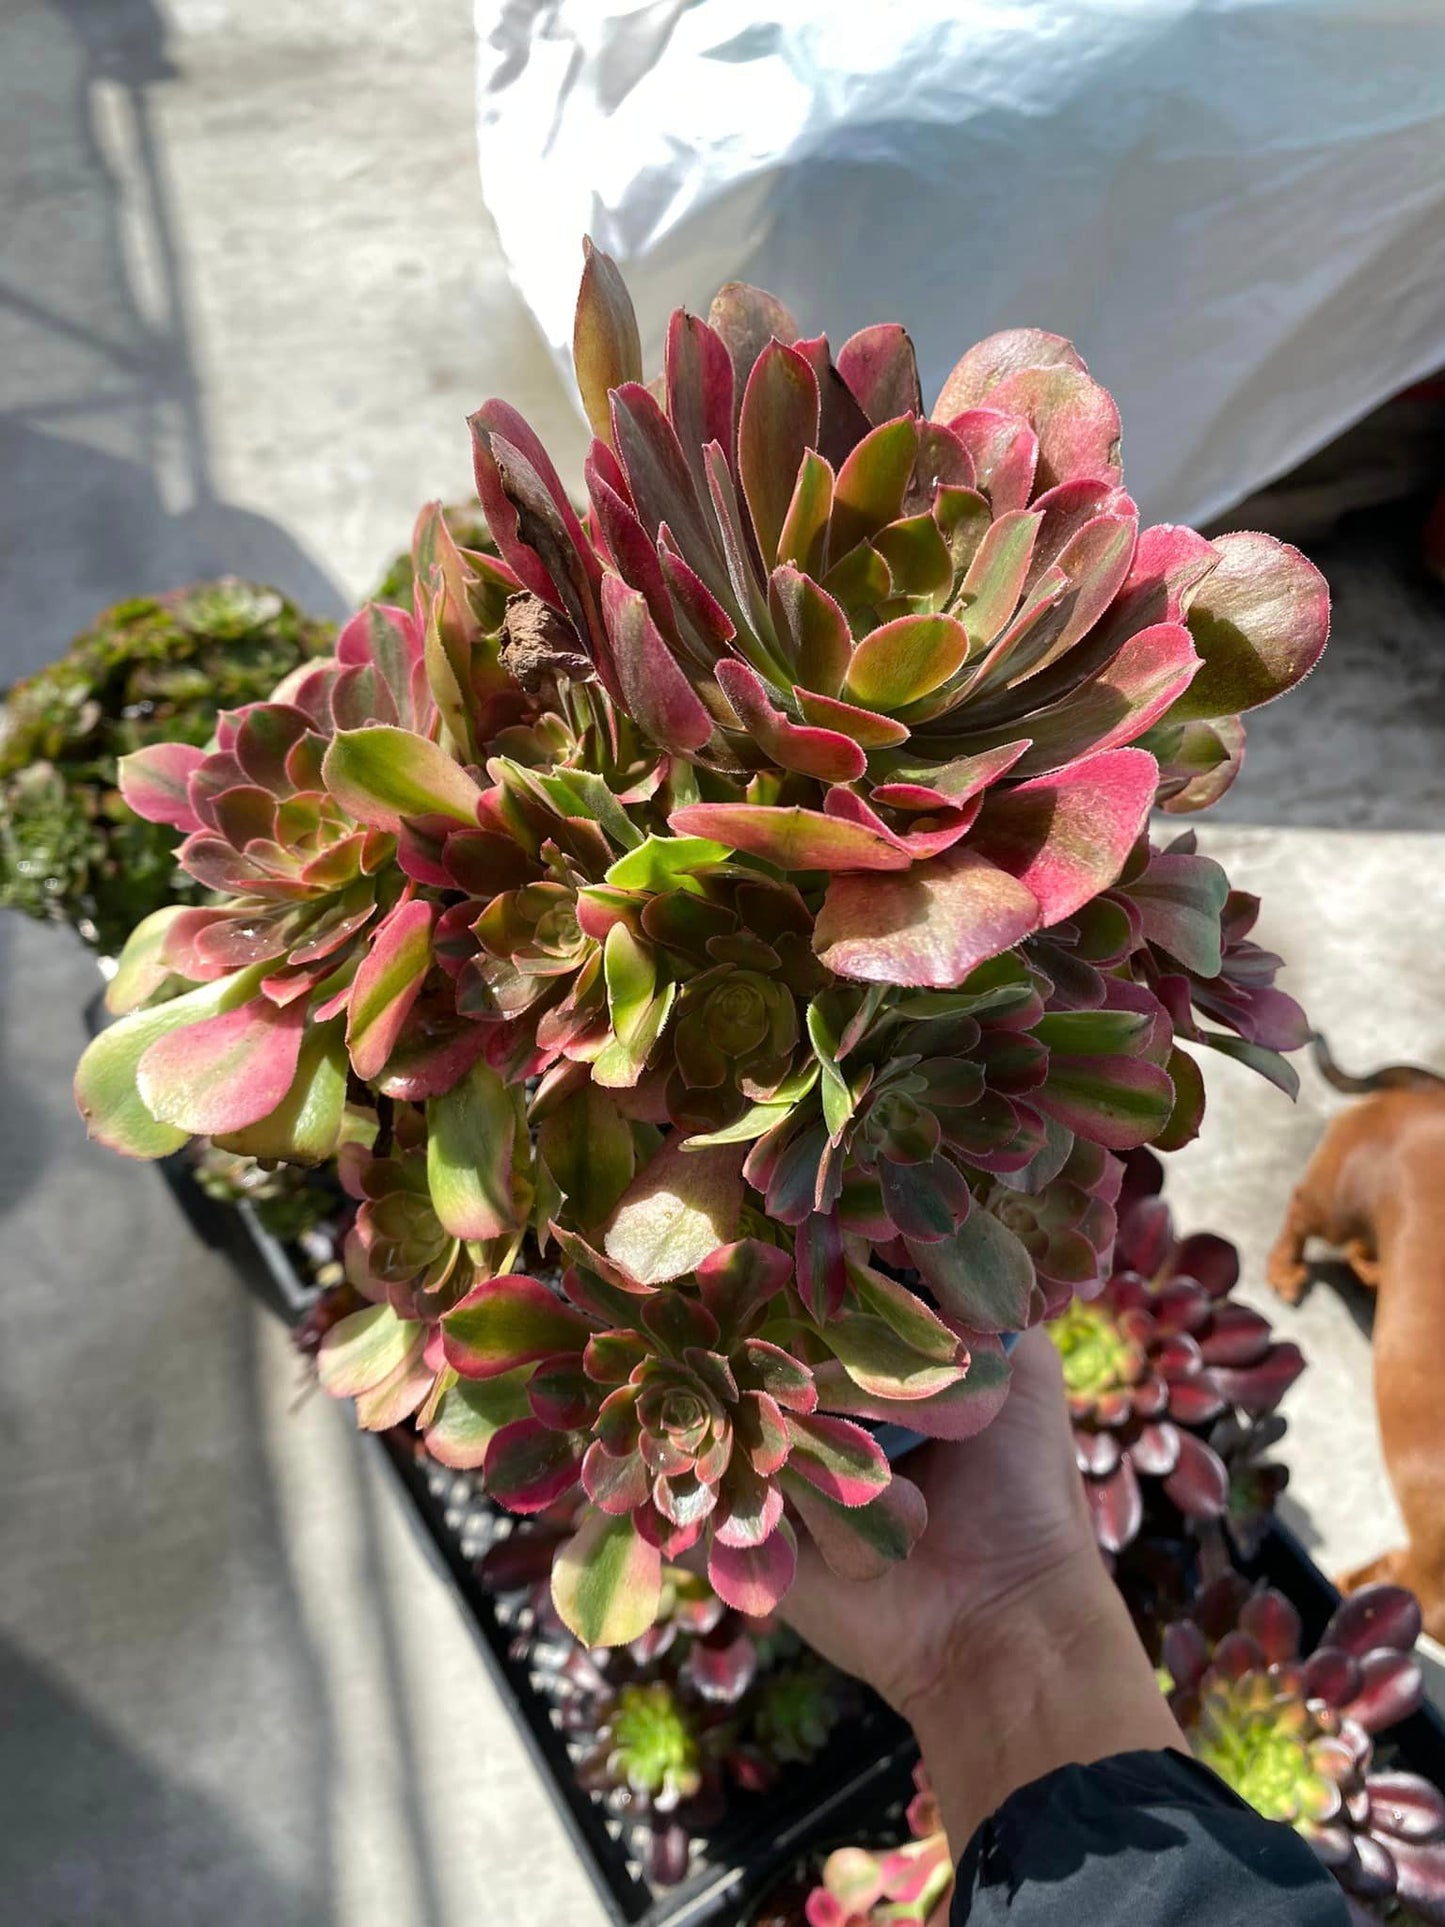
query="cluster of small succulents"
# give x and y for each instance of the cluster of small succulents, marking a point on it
(150, 670)
(702, 1705)
(735, 906)
(1295, 1736)
(1160, 1356)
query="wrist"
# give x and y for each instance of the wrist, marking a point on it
(1049, 1675)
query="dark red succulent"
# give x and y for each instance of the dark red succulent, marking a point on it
(1161, 1354)
(1295, 1736)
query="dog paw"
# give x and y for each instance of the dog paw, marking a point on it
(1287, 1278)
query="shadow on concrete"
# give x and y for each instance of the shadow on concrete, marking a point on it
(93, 1833)
(1333, 1274)
(108, 485)
(200, 1653)
(26, 1136)
(427, 1909)
(145, 1551)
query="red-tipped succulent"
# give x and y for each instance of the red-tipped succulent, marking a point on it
(685, 1423)
(910, 654)
(758, 848)
(1295, 1736)
(909, 1883)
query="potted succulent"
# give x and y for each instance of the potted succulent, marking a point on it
(1295, 1735)
(152, 669)
(1172, 1382)
(734, 910)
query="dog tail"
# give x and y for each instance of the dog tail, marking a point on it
(1393, 1077)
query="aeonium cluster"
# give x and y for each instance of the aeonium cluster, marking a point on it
(721, 929)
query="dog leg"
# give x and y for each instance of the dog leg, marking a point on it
(1364, 1262)
(1287, 1271)
(1423, 1563)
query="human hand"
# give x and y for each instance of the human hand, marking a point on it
(1001, 1639)
(1007, 1521)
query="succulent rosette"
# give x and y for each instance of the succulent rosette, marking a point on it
(1192, 946)
(1295, 1736)
(908, 655)
(242, 1017)
(149, 670)
(733, 900)
(1160, 1355)
(795, 1712)
(684, 1421)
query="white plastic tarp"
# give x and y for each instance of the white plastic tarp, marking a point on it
(1235, 208)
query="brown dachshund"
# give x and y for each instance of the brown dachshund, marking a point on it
(1375, 1189)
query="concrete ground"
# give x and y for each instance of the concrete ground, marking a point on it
(248, 296)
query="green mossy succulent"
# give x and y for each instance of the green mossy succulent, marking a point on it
(648, 1744)
(798, 1706)
(150, 670)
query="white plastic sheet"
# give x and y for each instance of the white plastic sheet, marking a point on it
(1236, 208)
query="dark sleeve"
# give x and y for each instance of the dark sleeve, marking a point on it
(1139, 1840)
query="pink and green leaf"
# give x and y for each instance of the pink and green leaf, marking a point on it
(468, 1414)
(606, 348)
(387, 984)
(871, 485)
(904, 660)
(226, 1071)
(981, 1275)
(754, 1579)
(928, 927)
(383, 775)
(528, 1466)
(471, 1138)
(860, 1542)
(958, 1411)
(881, 1361)
(1260, 621)
(587, 1146)
(880, 368)
(143, 965)
(1066, 837)
(366, 1348)
(678, 1210)
(107, 1090)
(838, 1457)
(826, 754)
(306, 1126)
(607, 1581)
(790, 836)
(737, 1280)
(777, 426)
(155, 782)
(654, 688)
(506, 1322)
